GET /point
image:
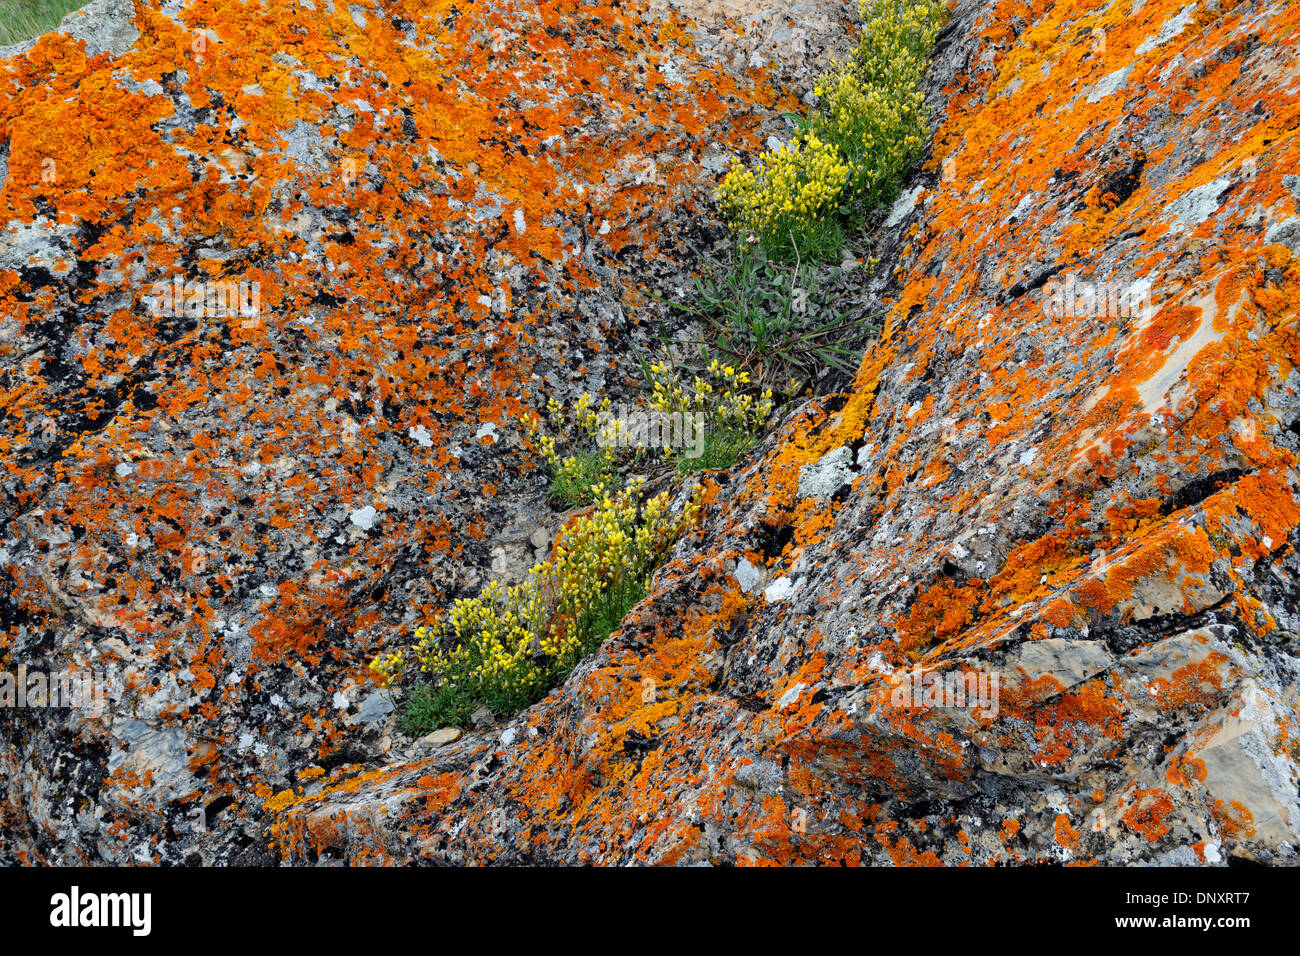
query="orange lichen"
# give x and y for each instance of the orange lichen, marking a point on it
(1235, 820)
(1066, 835)
(1190, 683)
(1147, 813)
(938, 613)
(1060, 613)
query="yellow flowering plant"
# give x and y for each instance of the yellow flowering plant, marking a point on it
(507, 647)
(877, 131)
(896, 40)
(853, 153)
(723, 399)
(787, 203)
(574, 476)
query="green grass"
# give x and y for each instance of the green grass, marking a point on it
(814, 240)
(782, 324)
(431, 706)
(24, 19)
(722, 449)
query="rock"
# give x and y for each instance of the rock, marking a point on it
(779, 590)
(375, 707)
(1074, 442)
(1198, 204)
(831, 473)
(906, 202)
(1286, 232)
(105, 25)
(1040, 491)
(305, 431)
(516, 549)
(1248, 784)
(1110, 84)
(364, 518)
(440, 737)
(747, 576)
(1068, 662)
(159, 757)
(1172, 28)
